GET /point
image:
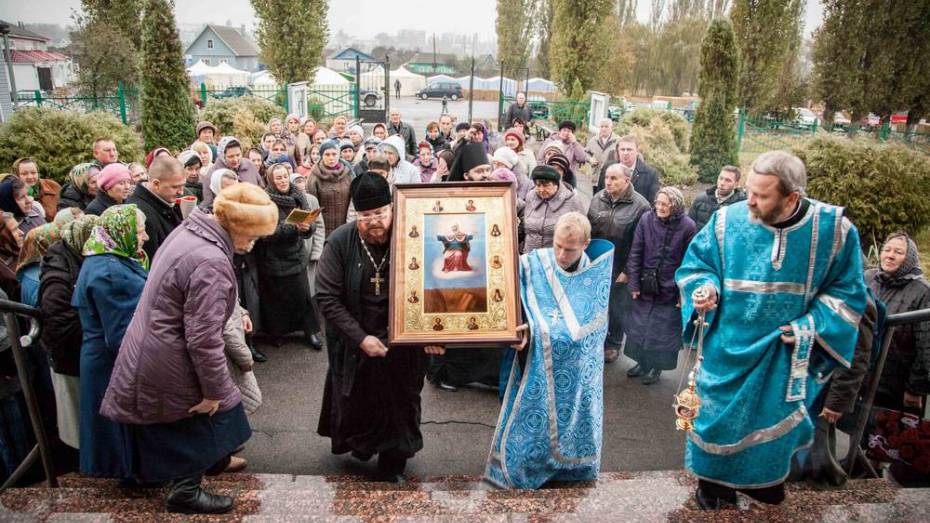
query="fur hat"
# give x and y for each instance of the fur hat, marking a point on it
(560, 160)
(246, 209)
(544, 172)
(327, 145)
(567, 124)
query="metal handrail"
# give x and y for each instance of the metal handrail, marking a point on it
(10, 310)
(856, 454)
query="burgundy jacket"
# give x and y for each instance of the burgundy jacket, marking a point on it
(172, 355)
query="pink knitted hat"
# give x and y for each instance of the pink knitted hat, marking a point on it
(111, 175)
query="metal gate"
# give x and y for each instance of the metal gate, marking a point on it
(372, 90)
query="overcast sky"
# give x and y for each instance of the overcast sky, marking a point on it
(363, 18)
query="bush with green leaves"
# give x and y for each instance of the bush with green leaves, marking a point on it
(885, 188)
(662, 137)
(58, 140)
(245, 117)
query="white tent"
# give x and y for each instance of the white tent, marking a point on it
(230, 74)
(263, 78)
(326, 76)
(200, 69)
(509, 87)
(541, 85)
(373, 79)
(410, 83)
(441, 78)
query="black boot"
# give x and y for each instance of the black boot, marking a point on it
(652, 376)
(391, 467)
(713, 496)
(186, 497)
(257, 355)
(636, 371)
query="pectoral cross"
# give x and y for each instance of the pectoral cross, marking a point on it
(377, 279)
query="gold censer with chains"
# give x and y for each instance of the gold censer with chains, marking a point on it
(687, 402)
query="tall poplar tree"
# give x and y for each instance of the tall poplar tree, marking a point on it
(107, 45)
(543, 46)
(167, 108)
(713, 139)
(291, 37)
(764, 31)
(514, 25)
(580, 30)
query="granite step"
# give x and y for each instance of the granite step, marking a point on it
(641, 496)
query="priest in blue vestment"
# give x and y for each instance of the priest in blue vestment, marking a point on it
(783, 275)
(551, 419)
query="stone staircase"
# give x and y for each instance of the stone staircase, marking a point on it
(639, 496)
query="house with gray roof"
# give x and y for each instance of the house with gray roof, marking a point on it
(218, 44)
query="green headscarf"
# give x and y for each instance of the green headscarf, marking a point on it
(76, 232)
(115, 233)
(78, 175)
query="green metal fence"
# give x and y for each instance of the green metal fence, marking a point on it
(323, 101)
(123, 103)
(758, 134)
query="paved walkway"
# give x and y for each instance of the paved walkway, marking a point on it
(639, 424)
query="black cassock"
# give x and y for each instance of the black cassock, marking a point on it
(370, 405)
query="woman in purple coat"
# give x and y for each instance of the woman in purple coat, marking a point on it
(653, 325)
(171, 383)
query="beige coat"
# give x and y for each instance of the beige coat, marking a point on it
(238, 355)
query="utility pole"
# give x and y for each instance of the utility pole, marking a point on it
(471, 88)
(434, 53)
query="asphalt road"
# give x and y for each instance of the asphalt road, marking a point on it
(418, 112)
(639, 424)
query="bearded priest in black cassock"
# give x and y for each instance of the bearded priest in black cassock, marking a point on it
(371, 403)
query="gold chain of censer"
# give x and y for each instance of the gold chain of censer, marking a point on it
(687, 402)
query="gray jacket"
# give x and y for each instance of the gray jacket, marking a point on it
(615, 220)
(540, 216)
(600, 149)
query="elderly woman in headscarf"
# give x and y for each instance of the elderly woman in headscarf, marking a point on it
(905, 380)
(15, 199)
(115, 185)
(154, 153)
(108, 288)
(653, 325)
(81, 186)
(900, 283)
(192, 165)
(61, 334)
(171, 381)
(282, 266)
(35, 245)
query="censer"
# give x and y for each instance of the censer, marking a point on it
(687, 402)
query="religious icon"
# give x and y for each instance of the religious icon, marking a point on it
(456, 261)
(455, 248)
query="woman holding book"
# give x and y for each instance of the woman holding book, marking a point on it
(284, 290)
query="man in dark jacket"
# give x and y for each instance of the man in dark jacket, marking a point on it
(614, 214)
(395, 126)
(645, 177)
(371, 400)
(518, 109)
(725, 193)
(155, 199)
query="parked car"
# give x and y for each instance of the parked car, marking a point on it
(805, 118)
(452, 90)
(234, 92)
(840, 122)
(870, 122)
(616, 112)
(539, 107)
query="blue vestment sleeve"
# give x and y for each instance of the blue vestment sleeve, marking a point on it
(700, 266)
(840, 302)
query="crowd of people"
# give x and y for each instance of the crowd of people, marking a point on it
(154, 277)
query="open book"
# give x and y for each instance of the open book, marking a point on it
(302, 217)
